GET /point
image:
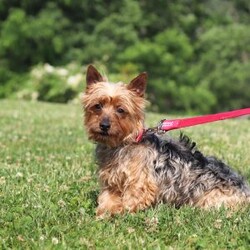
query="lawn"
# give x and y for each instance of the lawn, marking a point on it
(48, 187)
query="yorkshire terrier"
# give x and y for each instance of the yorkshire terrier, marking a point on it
(136, 175)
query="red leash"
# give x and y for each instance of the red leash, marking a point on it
(167, 125)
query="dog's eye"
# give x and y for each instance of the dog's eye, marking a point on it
(120, 110)
(98, 106)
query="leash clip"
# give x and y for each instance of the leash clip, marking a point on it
(157, 129)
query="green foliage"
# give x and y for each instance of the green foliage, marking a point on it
(168, 58)
(10, 82)
(48, 187)
(224, 65)
(114, 33)
(53, 84)
(28, 40)
(196, 53)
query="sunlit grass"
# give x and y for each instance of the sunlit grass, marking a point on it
(48, 187)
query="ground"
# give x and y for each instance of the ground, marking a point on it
(48, 187)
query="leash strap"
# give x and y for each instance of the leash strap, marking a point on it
(166, 125)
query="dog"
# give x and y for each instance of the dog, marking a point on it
(137, 175)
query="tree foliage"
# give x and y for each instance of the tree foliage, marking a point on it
(197, 53)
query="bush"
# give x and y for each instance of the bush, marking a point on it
(53, 84)
(28, 40)
(168, 59)
(10, 82)
(196, 55)
(224, 63)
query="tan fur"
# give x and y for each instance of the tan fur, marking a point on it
(133, 183)
(217, 198)
(111, 96)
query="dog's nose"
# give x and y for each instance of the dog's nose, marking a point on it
(105, 124)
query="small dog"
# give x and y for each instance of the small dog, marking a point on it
(134, 176)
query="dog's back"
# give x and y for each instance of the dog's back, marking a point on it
(187, 177)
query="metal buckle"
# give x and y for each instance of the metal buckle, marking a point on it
(157, 129)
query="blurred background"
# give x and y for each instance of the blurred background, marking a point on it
(197, 53)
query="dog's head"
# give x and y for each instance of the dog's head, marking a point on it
(114, 113)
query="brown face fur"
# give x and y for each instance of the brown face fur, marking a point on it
(114, 113)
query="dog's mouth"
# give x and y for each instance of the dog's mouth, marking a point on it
(101, 135)
(109, 138)
(104, 136)
(104, 133)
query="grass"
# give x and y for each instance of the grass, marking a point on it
(48, 187)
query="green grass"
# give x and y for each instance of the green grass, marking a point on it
(48, 187)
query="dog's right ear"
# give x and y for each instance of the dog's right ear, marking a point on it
(93, 76)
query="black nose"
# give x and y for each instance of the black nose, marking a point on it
(105, 125)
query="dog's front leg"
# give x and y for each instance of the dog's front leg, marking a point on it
(109, 203)
(139, 197)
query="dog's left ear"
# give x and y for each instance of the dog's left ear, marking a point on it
(93, 76)
(138, 84)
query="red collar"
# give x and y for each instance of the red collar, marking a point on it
(166, 125)
(140, 135)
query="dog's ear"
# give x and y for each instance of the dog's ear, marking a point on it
(93, 76)
(138, 84)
